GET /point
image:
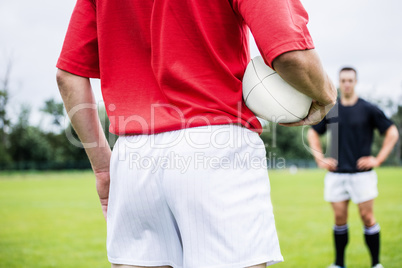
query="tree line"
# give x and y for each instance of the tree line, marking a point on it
(24, 146)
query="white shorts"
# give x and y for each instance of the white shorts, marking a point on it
(360, 186)
(196, 197)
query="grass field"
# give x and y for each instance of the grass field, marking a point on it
(54, 220)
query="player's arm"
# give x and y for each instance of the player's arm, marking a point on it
(282, 37)
(76, 91)
(303, 70)
(316, 149)
(390, 139)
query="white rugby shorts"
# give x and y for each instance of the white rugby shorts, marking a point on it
(196, 197)
(360, 186)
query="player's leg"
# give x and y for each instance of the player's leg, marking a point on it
(371, 230)
(340, 230)
(221, 199)
(337, 194)
(340, 212)
(363, 192)
(141, 230)
(367, 213)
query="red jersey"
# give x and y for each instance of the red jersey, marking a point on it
(166, 65)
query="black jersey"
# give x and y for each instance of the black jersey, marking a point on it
(351, 129)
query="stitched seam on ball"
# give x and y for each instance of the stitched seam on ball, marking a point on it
(251, 90)
(252, 61)
(279, 102)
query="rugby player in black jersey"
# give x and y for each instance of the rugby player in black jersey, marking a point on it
(350, 176)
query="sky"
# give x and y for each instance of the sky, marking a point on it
(365, 34)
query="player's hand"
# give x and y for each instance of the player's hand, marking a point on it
(329, 164)
(367, 162)
(315, 115)
(102, 187)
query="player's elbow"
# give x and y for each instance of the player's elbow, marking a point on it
(393, 133)
(62, 78)
(291, 60)
(67, 81)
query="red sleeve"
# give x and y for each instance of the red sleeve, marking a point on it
(80, 49)
(278, 26)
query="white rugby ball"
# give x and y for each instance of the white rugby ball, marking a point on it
(270, 97)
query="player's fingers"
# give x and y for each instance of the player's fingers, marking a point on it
(361, 160)
(364, 158)
(332, 161)
(332, 164)
(315, 115)
(295, 124)
(363, 165)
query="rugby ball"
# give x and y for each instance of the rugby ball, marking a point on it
(270, 97)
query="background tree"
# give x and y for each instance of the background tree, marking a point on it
(55, 110)
(287, 142)
(397, 119)
(110, 137)
(393, 107)
(28, 144)
(5, 158)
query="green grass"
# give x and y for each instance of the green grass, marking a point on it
(53, 219)
(304, 221)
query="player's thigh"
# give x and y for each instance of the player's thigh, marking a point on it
(366, 212)
(340, 211)
(221, 201)
(334, 187)
(363, 186)
(140, 228)
(132, 266)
